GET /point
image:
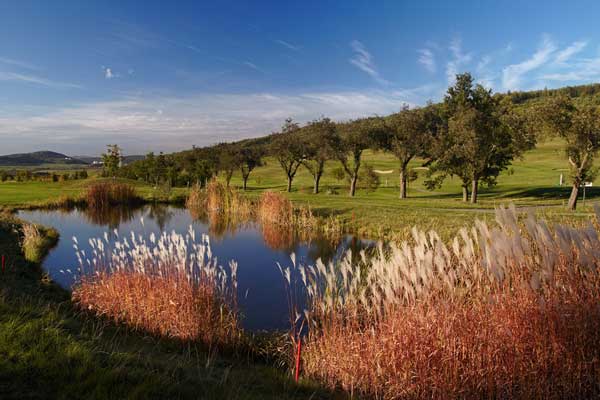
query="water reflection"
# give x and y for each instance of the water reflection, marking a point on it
(256, 248)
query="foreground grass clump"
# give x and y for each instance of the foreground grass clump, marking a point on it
(106, 194)
(170, 286)
(508, 312)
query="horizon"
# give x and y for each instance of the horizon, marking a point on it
(75, 77)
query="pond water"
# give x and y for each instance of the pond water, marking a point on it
(261, 293)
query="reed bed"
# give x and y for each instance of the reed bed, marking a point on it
(505, 312)
(106, 194)
(220, 199)
(169, 285)
(275, 208)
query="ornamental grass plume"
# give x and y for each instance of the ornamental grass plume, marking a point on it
(505, 312)
(169, 285)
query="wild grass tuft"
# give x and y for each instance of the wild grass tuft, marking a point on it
(506, 312)
(106, 194)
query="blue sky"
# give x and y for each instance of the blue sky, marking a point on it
(157, 75)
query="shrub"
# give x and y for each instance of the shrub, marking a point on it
(508, 312)
(169, 286)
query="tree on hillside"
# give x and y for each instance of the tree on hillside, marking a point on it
(408, 134)
(227, 161)
(352, 139)
(318, 136)
(111, 160)
(475, 143)
(248, 158)
(289, 150)
(579, 126)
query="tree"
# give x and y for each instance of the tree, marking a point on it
(248, 158)
(579, 126)
(408, 134)
(111, 160)
(228, 162)
(474, 142)
(318, 136)
(351, 141)
(289, 150)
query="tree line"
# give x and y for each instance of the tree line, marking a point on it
(473, 135)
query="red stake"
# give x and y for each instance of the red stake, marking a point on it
(298, 358)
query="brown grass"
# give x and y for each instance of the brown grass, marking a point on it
(275, 208)
(216, 198)
(512, 312)
(168, 286)
(106, 194)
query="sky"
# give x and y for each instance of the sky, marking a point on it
(163, 76)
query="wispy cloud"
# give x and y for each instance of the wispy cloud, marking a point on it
(252, 66)
(363, 60)
(19, 63)
(183, 121)
(459, 60)
(512, 75)
(427, 59)
(287, 44)
(32, 79)
(564, 55)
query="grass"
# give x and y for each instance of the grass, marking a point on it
(103, 195)
(507, 312)
(49, 349)
(530, 182)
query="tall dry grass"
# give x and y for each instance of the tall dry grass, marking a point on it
(106, 194)
(169, 285)
(220, 199)
(508, 312)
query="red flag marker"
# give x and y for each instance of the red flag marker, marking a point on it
(298, 359)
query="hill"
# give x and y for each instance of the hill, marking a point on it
(38, 158)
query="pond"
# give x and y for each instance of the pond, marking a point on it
(257, 249)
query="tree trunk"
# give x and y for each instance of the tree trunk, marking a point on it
(353, 185)
(403, 179)
(316, 186)
(289, 185)
(573, 198)
(465, 191)
(245, 178)
(474, 188)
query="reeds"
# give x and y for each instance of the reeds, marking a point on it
(220, 199)
(275, 208)
(508, 312)
(106, 194)
(169, 285)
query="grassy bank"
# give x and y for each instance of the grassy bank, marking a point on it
(531, 182)
(50, 350)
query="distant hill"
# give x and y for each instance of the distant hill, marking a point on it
(39, 158)
(126, 159)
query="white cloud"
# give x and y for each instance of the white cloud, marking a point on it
(141, 124)
(512, 75)
(569, 52)
(287, 44)
(427, 59)
(18, 63)
(108, 73)
(363, 60)
(252, 66)
(459, 60)
(25, 78)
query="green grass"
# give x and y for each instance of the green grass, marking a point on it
(50, 350)
(529, 182)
